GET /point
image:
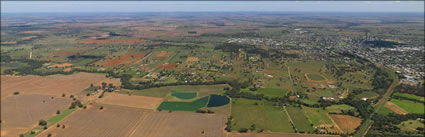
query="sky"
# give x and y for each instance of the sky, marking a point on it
(210, 6)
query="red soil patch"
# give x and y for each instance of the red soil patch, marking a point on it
(107, 41)
(168, 65)
(163, 54)
(33, 32)
(192, 59)
(395, 108)
(126, 59)
(347, 123)
(67, 69)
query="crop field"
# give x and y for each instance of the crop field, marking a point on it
(347, 123)
(187, 124)
(301, 121)
(409, 97)
(410, 107)
(53, 85)
(262, 114)
(112, 41)
(131, 101)
(184, 106)
(119, 123)
(395, 108)
(131, 122)
(19, 113)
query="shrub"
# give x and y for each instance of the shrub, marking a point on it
(15, 93)
(243, 130)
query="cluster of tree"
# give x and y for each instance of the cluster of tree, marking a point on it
(75, 104)
(204, 111)
(387, 125)
(417, 90)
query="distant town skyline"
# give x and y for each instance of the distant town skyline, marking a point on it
(210, 6)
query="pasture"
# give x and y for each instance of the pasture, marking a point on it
(394, 108)
(409, 97)
(410, 107)
(262, 114)
(300, 120)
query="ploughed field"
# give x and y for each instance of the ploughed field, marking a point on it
(19, 113)
(113, 121)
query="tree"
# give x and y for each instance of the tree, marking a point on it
(42, 123)
(101, 108)
(49, 135)
(58, 125)
(63, 126)
(252, 127)
(15, 93)
(58, 112)
(103, 85)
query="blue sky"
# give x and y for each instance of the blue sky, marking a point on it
(187, 6)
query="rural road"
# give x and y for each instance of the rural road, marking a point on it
(292, 82)
(364, 128)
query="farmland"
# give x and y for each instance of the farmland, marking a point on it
(409, 106)
(260, 113)
(211, 74)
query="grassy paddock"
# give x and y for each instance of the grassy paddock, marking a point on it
(262, 114)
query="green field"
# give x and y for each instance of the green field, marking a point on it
(263, 114)
(317, 116)
(385, 111)
(410, 125)
(183, 95)
(411, 107)
(268, 92)
(202, 90)
(368, 94)
(339, 108)
(409, 97)
(184, 106)
(300, 120)
(315, 77)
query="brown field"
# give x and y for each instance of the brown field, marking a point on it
(126, 59)
(109, 41)
(67, 69)
(192, 59)
(33, 32)
(131, 101)
(19, 113)
(7, 42)
(395, 108)
(168, 65)
(112, 121)
(347, 123)
(60, 65)
(125, 121)
(179, 124)
(53, 85)
(163, 54)
(29, 37)
(236, 134)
